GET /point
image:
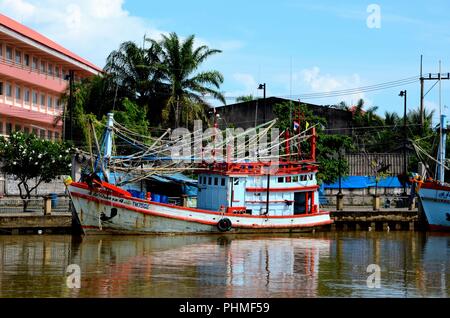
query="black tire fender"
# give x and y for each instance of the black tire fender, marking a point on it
(224, 225)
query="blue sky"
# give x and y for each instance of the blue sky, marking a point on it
(294, 46)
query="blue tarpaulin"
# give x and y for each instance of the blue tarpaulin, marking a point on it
(361, 182)
(189, 185)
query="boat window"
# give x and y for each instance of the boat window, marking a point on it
(209, 180)
(280, 179)
(236, 181)
(204, 180)
(216, 181)
(310, 176)
(303, 177)
(288, 179)
(199, 179)
(222, 182)
(295, 179)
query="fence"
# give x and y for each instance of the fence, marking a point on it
(60, 204)
(360, 163)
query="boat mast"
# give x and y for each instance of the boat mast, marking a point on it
(442, 136)
(441, 158)
(108, 142)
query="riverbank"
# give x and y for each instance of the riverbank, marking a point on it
(45, 220)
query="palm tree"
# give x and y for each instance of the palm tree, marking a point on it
(245, 98)
(137, 74)
(179, 63)
(391, 118)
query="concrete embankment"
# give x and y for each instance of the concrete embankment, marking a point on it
(365, 218)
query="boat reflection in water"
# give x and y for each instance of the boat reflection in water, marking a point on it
(316, 265)
(205, 266)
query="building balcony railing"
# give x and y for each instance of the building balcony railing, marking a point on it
(32, 114)
(32, 76)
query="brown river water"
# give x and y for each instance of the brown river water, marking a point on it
(331, 264)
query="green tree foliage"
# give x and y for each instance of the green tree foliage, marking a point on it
(327, 145)
(133, 117)
(245, 98)
(29, 158)
(136, 73)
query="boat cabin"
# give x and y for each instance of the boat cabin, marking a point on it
(290, 189)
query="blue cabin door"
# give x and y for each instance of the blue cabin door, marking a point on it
(237, 193)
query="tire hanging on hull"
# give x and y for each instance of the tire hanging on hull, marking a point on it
(224, 225)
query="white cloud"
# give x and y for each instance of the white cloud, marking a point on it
(247, 81)
(90, 28)
(229, 45)
(316, 82)
(19, 8)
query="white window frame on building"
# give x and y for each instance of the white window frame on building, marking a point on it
(42, 103)
(9, 53)
(35, 98)
(8, 128)
(42, 67)
(18, 57)
(49, 102)
(26, 95)
(35, 63)
(8, 92)
(18, 93)
(26, 59)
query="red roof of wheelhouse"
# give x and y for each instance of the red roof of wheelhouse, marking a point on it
(35, 36)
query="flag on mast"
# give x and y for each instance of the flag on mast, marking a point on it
(296, 125)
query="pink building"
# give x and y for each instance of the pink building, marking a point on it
(32, 78)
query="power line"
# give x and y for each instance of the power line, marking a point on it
(344, 92)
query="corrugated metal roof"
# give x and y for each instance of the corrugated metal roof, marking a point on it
(176, 177)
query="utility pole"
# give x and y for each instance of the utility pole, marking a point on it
(405, 165)
(422, 116)
(68, 132)
(176, 112)
(72, 75)
(263, 87)
(431, 77)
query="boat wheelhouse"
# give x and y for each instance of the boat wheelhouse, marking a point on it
(248, 188)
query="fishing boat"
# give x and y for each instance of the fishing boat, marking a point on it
(434, 194)
(240, 196)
